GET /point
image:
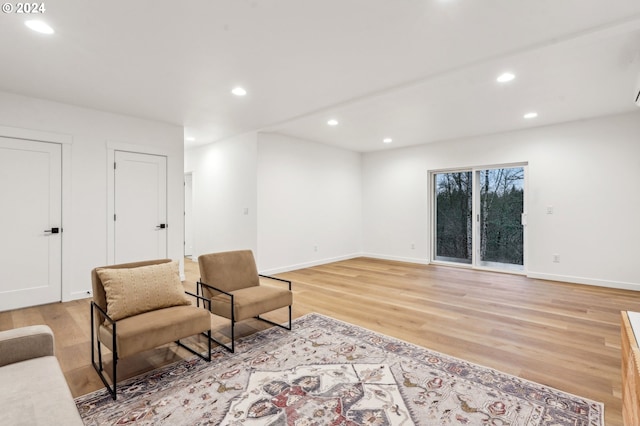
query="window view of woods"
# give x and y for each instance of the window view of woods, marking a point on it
(501, 201)
(454, 213)
(499, 231)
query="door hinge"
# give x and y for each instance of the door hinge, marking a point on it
(114, 217)
(114, 165)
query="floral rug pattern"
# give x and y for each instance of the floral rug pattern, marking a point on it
(326, 372)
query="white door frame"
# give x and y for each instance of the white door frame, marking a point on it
(66, 142)
(112, 147)
(188, 218)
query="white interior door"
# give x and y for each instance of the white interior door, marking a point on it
(140, 207)
(31, 214)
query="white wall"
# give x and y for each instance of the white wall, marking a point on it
(85, 175)
(224, 188)
(309, 203)
(298, 195)
(301, 195)
(394, 206)
(588, 170)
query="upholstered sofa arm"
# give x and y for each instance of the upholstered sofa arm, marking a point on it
(21, 344)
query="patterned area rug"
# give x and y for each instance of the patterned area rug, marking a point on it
(326, 372)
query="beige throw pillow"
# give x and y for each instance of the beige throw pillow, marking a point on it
(133, 291)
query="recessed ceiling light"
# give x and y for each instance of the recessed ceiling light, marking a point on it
(190, 139)
(332, 122)
(387, 140)
(505, 77)
(39, 26)
(239, 91)
(530, 115)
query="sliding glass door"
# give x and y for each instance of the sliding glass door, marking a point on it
(479, 217)
(454, 216)
(501, 209)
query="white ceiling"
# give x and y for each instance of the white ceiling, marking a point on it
(417, 71)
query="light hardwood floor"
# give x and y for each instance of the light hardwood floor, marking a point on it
(562, 335)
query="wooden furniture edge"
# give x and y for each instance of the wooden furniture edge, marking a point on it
(630, 359)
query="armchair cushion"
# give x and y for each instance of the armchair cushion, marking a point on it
(229, 271)
(132, 291)
(151, 329)
(251, 302)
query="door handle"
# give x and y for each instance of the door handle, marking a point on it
(161, 226)
(52, 231)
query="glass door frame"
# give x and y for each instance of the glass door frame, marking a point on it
(476, 262)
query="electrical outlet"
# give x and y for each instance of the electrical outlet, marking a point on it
(315, 248)
(413, 246)
(556, 258)
(549, 209)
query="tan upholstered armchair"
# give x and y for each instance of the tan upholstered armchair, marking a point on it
(232, 283)
(139, 306)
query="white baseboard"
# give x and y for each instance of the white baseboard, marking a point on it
(78, 295)
(423, 261)
(587, 281)
(339, 258)
(420, 261)
(309, 264)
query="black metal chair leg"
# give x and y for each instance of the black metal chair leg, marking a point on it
(233, 336)
(100, 355)
(231, 348)
(193, 351)
(275, 323)
(95, 342)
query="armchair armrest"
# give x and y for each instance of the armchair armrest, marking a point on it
(277, 279)
(199, 298)
(103, 312)
(21, 344)
(226, 293)
(200, 283)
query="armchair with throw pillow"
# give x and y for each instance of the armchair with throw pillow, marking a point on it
(139, 306)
